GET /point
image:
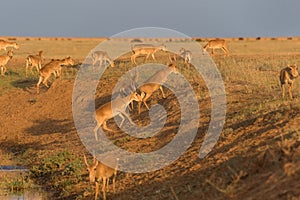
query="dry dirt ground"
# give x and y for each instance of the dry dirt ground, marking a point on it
(256, 157)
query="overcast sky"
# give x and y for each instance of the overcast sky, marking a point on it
(196, 18)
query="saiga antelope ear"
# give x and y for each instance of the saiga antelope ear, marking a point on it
(138, 91)
(95, 161)
(290, 67)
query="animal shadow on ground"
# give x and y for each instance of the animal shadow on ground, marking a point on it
(50, 126)
(24, 83)
(17, 148)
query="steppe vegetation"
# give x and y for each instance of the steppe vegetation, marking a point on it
(256, 157)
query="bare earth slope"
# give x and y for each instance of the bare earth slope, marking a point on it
(256, 157)
(251, 161)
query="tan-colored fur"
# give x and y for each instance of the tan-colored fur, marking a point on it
(146, 50)
(34, 61)
(154, 83)
(141, 46)
(4, 60)
(287, 76)
(53, 67)
(217, 44)
(128, 88)
(100, 172)
(185, 54)
(5, 44)
(105, 112)
(102, 57)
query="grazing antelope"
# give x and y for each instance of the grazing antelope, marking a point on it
(98, 171)
(4, 60)
(216, 44)
(154, 83)
(148, 50)
(128, 88)
(53, 67)
(4, 44)
(172, 57)
(287, 76)
(102, 57)
(185, 54)
(34, 61)
(106, 112)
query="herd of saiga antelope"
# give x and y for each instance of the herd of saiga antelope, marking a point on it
(99, 171)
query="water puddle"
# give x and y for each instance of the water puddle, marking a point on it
(13, 168)
(32, 194)
(9, 172)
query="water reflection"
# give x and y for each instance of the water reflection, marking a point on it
(13, 168)
(32, 194)
(11, 172)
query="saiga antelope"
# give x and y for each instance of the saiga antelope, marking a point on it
(185, 54)
(141, 46)
(106, 112)
(154, 83)
(4, 60)
(4, 44)
(53, 67)
(128, 88)
(102, 57)
(146, 50)
(287, 76)
(216, 44)
(98, 171)
(34, 61)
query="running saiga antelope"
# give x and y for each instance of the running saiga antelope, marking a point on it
(154, 83)
(106, 112)
(34, 61)
(98, 171)
(146, 50)
(53, 67)
(216, 44)
(102, 57)
(4, 44)
(287, 76)
(4, 60)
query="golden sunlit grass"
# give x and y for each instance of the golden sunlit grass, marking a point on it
(254, 105)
